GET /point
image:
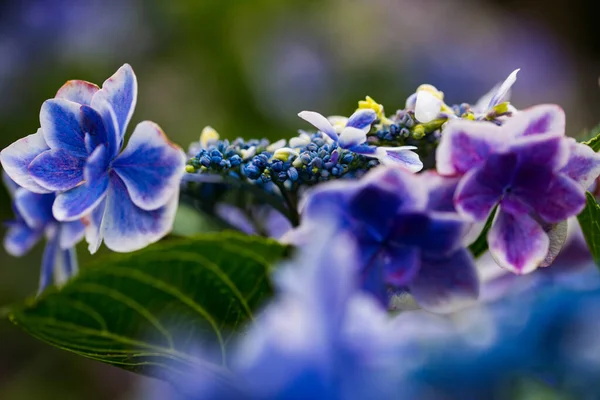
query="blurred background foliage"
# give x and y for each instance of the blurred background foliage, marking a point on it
(247, 67)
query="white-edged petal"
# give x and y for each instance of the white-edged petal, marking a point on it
(319, 122)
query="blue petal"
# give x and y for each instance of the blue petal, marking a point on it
(436, 234)
(57, 170)
(151, 167)
(65, 265)
(77, 91)
(81, 200)
(126, 227)
(17, 157)
(93, 126)
(20, 239)
(49, 258)
(116, 102)
(62, 122)
(443, 285)
(373, 206)
(71, 233)
(362, 119)
(34, 208)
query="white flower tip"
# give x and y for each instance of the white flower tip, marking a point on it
(276, 145)
(208, 136)
(428, 106)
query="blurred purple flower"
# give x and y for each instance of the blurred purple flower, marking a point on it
(353, 137)
(407, 233)
(529, 169)
(127, 199)
(320, 338)
(33, 220)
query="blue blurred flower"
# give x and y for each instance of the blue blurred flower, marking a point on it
(527, 167)
(544, 336)
(408, 236)
(127, 199)
(34, 220)
(321, 338)
(353, 137)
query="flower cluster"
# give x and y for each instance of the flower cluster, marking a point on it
(74, 162)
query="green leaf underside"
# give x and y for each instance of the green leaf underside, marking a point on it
(589, 220)
(156, 310)
(594, 142)
(480, 245)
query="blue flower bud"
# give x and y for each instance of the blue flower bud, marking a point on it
(293, 174)
(251, 171)
(235, 160)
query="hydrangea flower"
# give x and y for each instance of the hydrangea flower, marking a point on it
(129, 198)
(408, 236)
(528, 168)
(353, 137)
(34, 220)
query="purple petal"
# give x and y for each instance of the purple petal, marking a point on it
(61, 122)
(517, 243)
(77, 91)
(400, 265)
(151, 167)
(319, 122)
(436, 234)
(412, 193)
(81, 200)
(17, 157)
(126, 227)
(373, 206)
(564, 198)
(583, 165)
(116, 102)
(362, 119)
(550, 152)
(542, 119)
(445, 285)
(57, 170)
(441, 191)
(20, 238)
(481, 189)
(71, 233)
(34, 208)
(466, 145)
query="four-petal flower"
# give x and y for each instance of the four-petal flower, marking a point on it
(527, 167)
(407, 234)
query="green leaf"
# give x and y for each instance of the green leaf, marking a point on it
(589, 219)
(594, 142)
(151, 311)
(480, 245)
